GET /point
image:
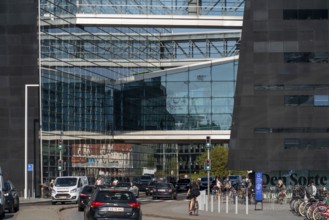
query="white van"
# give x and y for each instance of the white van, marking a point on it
(67, 188)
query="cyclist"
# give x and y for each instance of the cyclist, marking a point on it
(192, 193)
(227, 186)
(281, 191)
(218, 187)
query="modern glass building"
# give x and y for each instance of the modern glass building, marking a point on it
(122, 85)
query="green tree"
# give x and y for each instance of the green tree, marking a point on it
(219, 161)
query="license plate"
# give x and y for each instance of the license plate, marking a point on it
(115, 209)
(162, 190)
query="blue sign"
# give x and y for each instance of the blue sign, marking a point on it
(259, 186)
(30, 167)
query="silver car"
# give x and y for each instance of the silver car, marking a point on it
(127, 186)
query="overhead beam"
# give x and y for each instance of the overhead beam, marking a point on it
(173, 21)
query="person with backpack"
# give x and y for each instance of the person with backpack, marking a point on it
(192, 193)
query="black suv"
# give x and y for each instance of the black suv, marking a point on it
(183, 184)
(12, 197)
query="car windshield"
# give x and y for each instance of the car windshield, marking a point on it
(109, 196)
(184, 181)
(7, 185)
(162, 185)
(123, 184)
(205, 179)
(87, 189)
(66, 182)
(146, 178)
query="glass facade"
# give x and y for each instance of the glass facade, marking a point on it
(99, 81)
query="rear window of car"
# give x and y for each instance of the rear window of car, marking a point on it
(147, 178)
(88, 189)
(122, 184)
(184, 181)
(162, 185)
(108, 196)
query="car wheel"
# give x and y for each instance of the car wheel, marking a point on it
(2, 214)
(16, 205)
(11, 209)
(16, 208)
(53, 203)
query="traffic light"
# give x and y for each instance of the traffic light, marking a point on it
(60, 144)
(60, 165)
(207, 165)
(208, 142)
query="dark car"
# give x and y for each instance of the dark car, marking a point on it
(164, 190)
(183, 184)
(204, 182)
(130, 186)
(108, 203)
(85, 196)
(143, 181)
(11, 197)
(149, 188)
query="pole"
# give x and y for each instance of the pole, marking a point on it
(208, 174)
(61, 155)
(25, 136)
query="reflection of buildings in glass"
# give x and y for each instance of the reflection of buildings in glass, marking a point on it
(102, 156)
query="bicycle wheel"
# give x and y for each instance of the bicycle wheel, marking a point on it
(292, 201)
(196, 208)
(188, 207)
(317, 212)
(296, 205)
(309, 211)
(301, 208)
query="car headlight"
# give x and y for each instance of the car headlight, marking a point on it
(74, 190)
(6, 194)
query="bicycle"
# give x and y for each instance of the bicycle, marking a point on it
(195, 208)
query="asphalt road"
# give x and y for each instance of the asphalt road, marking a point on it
(164, 210)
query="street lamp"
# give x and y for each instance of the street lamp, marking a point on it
(26, 104)
(208, 163)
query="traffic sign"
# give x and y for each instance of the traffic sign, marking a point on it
(30, 167)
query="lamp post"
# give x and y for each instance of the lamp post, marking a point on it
(26, 104)
(208, 145)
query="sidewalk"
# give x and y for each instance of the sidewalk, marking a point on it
(49, 213)
(178, 211)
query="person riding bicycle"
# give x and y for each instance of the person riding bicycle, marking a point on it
(192, 193)
(227, 186)
(281, 190)
(218, 186)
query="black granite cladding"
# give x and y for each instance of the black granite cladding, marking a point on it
(18, 67)
(272, 30)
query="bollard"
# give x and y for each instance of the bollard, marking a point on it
(236, 204)
(226, 203)
(247, 205)
(219, 200)
(212, 203)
